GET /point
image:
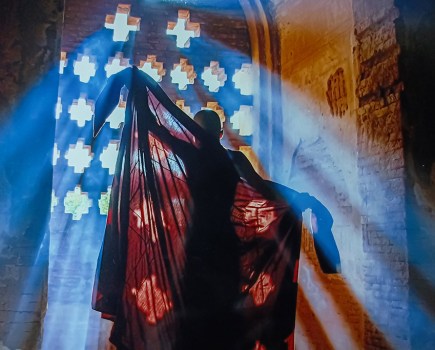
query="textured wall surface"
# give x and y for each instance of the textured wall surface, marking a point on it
(343, 132)
(320, 158)
(381, 166)
(28, 50)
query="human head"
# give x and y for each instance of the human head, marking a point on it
(209, 120)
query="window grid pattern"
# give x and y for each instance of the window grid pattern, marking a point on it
(91, 163)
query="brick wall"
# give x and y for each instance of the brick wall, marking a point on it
(28, 50)
(381, 168)
(349, 154)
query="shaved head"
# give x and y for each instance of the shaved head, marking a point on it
(209, 120)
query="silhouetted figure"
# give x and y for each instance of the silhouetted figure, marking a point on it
(194, 257)
(321, 219)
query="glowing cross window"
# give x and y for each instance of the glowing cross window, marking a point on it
(56, 154)
(104, 201)
(85, 67)
(77, 203)
(214, 106)
(58, 109)
(54, 201)
(116, 64)
(186, 109)
(117, 117)
(183, 74)
(109, 155)
(242, 120)
(79, 156)
(183, 29)
(243, 79)
(121, 23)
(213, 76)
(63, 62)
(81, 110)
(153, 68)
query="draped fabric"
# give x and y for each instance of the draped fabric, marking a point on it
(193, 257)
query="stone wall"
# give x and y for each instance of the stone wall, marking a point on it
(28, 90)
(343, 140)
(320, 148)
(381, 170)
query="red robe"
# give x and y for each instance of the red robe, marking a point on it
(193, 257)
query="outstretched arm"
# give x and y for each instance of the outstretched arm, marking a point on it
(247, 172)
(109, 97)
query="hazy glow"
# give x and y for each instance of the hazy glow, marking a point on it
(79, 156)
(81, 110)
(183, 74)
(109, 155)
(121, 23)
(242, 120)
(153, 68)
(243, 79)
(116, 64)
(214, 77)
(324, 308)
(77, 203)
(183, 29)
(85, 67)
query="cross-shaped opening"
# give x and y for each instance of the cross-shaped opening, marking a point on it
(213, 76)
(153, 68)
(183, 29)
(122, 23)
(183, 74)
(85, 67)
(81, 110)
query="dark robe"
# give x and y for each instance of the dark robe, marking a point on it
(193, 256)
